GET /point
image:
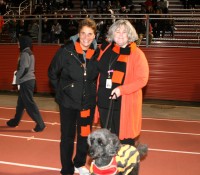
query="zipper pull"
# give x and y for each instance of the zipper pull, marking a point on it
(85, 72)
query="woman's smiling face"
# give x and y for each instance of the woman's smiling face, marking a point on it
(121, 36)
(86, 36)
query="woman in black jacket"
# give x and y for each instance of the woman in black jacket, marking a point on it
(73, 75)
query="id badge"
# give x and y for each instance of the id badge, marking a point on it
(108, 83)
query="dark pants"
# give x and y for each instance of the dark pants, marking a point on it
(71, 122)
(26, 101)
(113, 124)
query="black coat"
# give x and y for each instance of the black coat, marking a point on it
(73, 89)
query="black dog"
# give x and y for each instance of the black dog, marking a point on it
(110, 157)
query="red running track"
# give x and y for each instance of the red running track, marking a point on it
(174, 146)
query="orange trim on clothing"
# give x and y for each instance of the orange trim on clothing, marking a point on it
(85, 130)
(116, 49)
(117, 77)
(85, 113)
(122, 58)
(89, 53)
(78, 48)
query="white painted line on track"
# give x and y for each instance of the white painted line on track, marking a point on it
(31, 121)
(174, 151)
(29, 138)
(144, 118)
(56, 112)
(33, 166)
(51, 140)
(172, 120)
(169, 132)
(29, 166)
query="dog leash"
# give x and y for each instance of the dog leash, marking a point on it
(110, 112)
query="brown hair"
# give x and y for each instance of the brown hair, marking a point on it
(89, 23)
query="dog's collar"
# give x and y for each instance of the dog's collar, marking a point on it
(110, 169)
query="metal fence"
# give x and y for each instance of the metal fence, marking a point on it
(57, 28)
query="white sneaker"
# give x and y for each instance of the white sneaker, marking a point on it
(82, 170)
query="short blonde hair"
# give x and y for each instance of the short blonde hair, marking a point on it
(132, 34)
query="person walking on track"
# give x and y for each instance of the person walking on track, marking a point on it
(25, 80)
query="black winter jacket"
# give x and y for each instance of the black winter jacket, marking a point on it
(66, 73)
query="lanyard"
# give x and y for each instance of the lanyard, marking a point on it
(111, 61)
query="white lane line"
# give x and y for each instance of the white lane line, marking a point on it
(172, 120)
(144, 118)
(174, 151)
(29, 166)
(32, 166)
(56, 112)
(29, 138)
(31, 121)
(51, 140)
(170, 132)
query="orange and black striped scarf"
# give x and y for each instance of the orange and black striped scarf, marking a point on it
(120, 66)
(88, 53)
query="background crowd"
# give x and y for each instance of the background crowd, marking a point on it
(59, 23)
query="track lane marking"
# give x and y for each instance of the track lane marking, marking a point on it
(31, 121)
(32, 166)
(171, 132)
(56, 112)
(174, 151)
(29, 138)
(171, 120)
(29, 166)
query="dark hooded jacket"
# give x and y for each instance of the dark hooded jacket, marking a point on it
(26, 61)
(66, 73)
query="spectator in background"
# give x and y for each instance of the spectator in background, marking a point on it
(169, 25)
(64, 4)
(141, 28)
(163, 5)
(12, 27)
(46, 30)
(72, 27)
(101, 3)
(3, 7)
(1, 23)
(149, 5)
(20, 28)
(100, 24)
(56, 32)
(123, 10)
(132, 16)
(143, 9)
(84, 4)
(90, 4)
(33, 29)
(157, 23)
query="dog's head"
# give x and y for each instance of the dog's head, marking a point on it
(102, 143)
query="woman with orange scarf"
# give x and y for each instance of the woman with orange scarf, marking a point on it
(73, 75)
(124, 71)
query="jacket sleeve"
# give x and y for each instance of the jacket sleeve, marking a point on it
(23, 65)
(55, 69)
(137, 73)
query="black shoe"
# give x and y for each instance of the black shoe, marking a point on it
(12, 123)
(39, 128)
